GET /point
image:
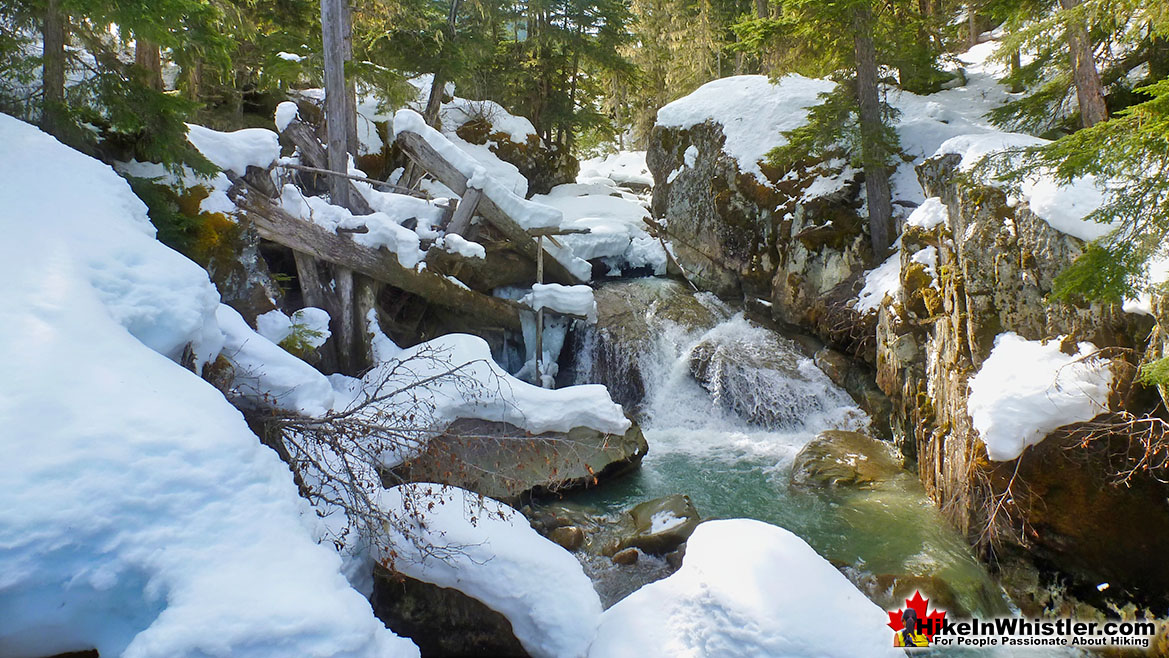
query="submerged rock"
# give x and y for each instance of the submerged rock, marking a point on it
(504, 462)
(661, 525)
(626, 557)
(570, 537)
(845, 459)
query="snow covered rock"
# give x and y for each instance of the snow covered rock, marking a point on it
(141, 517)
(236, 151)
(746, 589)
(1025, 389)
(497, 558)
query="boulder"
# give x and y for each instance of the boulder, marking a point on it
(626, 557)
(570, 537)
(845, 459)
(661, 525)
(504, 462)
(441, 621)
(545, 166)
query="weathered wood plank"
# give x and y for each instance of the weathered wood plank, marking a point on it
(430, 160)
(311, 151)
(465, 211)
(272, 223)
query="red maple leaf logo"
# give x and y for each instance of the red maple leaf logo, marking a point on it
(930, 623)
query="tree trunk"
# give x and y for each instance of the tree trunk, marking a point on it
(972, 24)
(873, 153)
(434, 100)
(350, 83)
(148, 57)
(336, 98)
(1089, 91)
(53, 110)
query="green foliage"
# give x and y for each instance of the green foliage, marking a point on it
(301, 340)
(833, 127)
(1155, 373)
(1131, 153)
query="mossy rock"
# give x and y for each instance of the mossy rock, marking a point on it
(837, 458)
(661, 525)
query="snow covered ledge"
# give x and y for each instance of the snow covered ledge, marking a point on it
(140, 517)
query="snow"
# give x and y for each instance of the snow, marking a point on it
(624, 168)
(751, 110)
(884, 280)
(461, 110)
(285, 113)
(928, 257)
(616, 222)
(527, 214)
(264, 372)
(663, 521)
(502, 562)
(454, 243)
(493, 394)
(751, 590)
(313, 325)
(139, 512)
(290, 57)
(1064, 207)
(929, 215)
(235, 151)
(274, 325)
(690, 155)
(1025, 389)
(216, 186)
(1156, 274)
(384, 231)
(570, 300)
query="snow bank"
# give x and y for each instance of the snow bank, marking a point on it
(624, 168)
(930, 214)
(1064, 207)
(263, 371)
(571, 300)
(746, 589)
(140, 515)
(751, 110)
(883, 280)
(1025, 389)
(502, 562)
(235, 151)
(497, 395)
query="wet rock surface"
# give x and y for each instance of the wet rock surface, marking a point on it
(845, 459)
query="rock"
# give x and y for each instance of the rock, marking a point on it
(502, 461)
(759, 375)
(860, 381)
(740, 235)
(674, 558)
(661, 525)
(441, 621)
(626, 557)
(844, 459)
(544, 166)
(630, 315)
(570, 537)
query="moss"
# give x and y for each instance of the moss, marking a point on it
(216, 239)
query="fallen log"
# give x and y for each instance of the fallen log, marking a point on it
(433, 162)
(274, 224)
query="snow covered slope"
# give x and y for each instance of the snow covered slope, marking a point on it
(140, 516)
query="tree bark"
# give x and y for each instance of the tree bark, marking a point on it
(53, 111)
(148, 56)
(873, 153)
(336, 99)
(1089, 91)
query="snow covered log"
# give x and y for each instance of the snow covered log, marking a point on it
(273, 223)
(421, 151)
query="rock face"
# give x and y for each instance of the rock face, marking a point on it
(995, 270)
(790, 240)
(502, 461)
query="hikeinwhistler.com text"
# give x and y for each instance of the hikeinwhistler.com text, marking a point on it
(1016, 631)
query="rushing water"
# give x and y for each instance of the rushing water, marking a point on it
(701, 445)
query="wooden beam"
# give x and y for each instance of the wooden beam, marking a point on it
(311, 151)
(336, 104)
(273, 223)
(433, 162)
(461, 221)
(361, 179)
